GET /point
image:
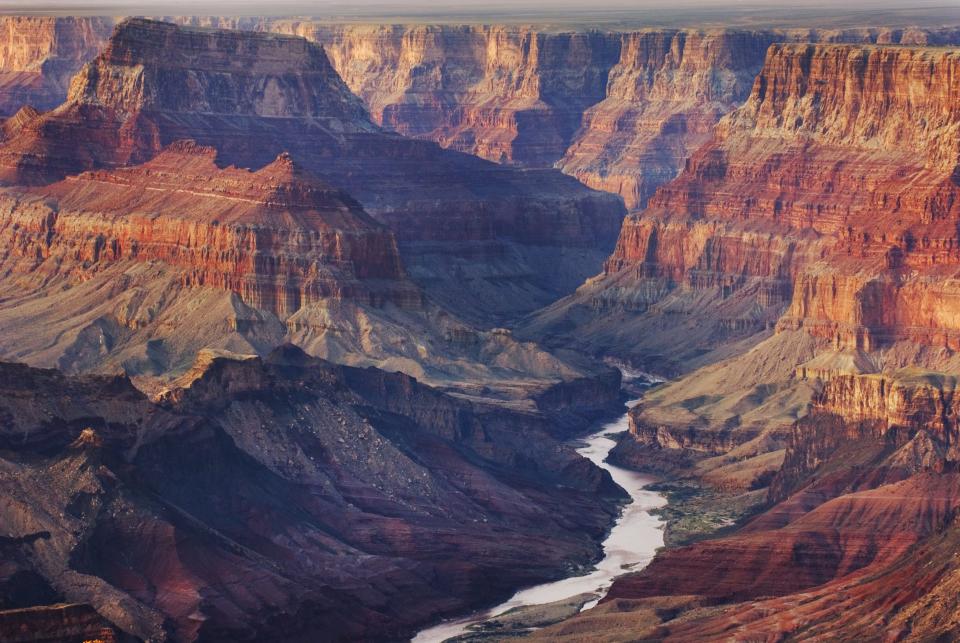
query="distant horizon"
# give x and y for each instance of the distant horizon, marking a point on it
(880, 13)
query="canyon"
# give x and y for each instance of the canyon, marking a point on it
(821, 218)
(408, 257)
(271, 497)
(129, 206)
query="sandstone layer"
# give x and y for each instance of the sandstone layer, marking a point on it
(832, 194)
(621, 110)
(277, 237)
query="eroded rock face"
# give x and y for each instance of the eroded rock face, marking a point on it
(277, 237)
(283, 495)
(508, 94)
(39, 55)
(465, 226)
(827, 143)
(663, 98)
(829, 190)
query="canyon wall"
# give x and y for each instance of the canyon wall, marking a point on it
(466, 227)
(39, 55)
(813, 236)
(509, 94)
(834, 187)
(662, 100)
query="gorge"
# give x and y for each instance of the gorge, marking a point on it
(304, 322)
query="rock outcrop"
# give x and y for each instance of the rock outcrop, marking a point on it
(39, 55)
(483, 239)
(663, 98)
(509, 94)
(258, 497)
(812, 238)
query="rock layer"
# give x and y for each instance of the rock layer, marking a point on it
(39, 55)
(663, 98)
(255, 96)
(508, 94)
(832, 189)
(278, 238)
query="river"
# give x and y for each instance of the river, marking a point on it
(629, 547)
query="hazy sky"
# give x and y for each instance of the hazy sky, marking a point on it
(893, 12)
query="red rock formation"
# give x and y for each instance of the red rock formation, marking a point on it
(254, 96)
(835, 187)
(663, 98)
(278, 238)
(509, 94)
(39, 55)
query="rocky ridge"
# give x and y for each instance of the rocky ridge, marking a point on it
(278, 495)
(237, 92)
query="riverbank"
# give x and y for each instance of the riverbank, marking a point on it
(630, 545)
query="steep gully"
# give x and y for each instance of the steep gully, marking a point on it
(629, 547)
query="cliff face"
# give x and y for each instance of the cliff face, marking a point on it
(859, 522)
(509, 94)
(39, 55)
(911, 413)
(219, 491)
(278, 238)
(663, 98)
(253, 96)
(834, 187)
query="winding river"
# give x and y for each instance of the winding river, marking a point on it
(629, 547)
